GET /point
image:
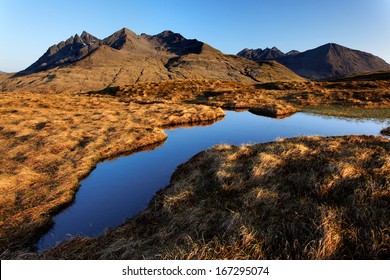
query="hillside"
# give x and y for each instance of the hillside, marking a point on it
(85, 63)
(368, 76)
(4, 75)
(327, 61)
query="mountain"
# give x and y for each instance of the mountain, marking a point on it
(85, 63)
(259, 54)
(367, 76)
(293, 52)
(73, 49)
(327, 61)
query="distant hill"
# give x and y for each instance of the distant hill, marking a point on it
(85, 63)
(4, 75)
(368, 76)
(327, 61)
(259, 54)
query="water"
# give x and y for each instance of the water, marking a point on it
(120, 188)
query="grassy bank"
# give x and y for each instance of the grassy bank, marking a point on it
(348, 99)
(349, 112)
(255, 202)
(49, 142)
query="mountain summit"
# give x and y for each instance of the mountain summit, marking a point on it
(78, 47)
(259, 54)
(327, 61)
(73, 49)
(85, 63)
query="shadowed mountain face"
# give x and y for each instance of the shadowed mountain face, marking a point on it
(73, 49)
(259, 54)
(176, 43)
(327, 61)
(78, 47)
(86, 63)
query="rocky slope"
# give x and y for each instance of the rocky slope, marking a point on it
(327, 61)
(85, 63)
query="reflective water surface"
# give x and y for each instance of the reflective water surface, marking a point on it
(120, 188)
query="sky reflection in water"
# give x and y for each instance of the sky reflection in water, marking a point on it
(120, 188)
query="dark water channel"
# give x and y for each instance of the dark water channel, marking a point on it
(120, 188)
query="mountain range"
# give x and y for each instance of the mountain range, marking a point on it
(85, 63)
(327, 61)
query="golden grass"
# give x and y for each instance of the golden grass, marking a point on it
(378, 113)
(49, 142)
(279, 98)
(300, 198)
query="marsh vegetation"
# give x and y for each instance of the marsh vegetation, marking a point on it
(50, 142)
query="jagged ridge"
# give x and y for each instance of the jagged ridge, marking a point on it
(86, 63)
(327, 61)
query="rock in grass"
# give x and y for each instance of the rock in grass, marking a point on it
(273, 110)
(386, 131)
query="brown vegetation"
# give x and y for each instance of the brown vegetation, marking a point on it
(235, 95)
(255, 202)
(273, 110)
(49, 142)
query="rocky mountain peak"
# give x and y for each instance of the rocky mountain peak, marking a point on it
(125, 58)
(120, 38)
(326, 61)
(293, 52)
(165, 33)
(170, 37)
(260, 54)
(88, 38)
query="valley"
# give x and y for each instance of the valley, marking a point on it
(87, 100)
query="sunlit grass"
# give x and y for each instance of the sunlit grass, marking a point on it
(49, 142)
(300, 198)
(350, 112)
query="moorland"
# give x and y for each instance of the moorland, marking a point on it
(301, 198)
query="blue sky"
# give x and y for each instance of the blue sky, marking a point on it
(28, 28)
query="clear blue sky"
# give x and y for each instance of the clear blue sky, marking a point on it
(28, 28)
